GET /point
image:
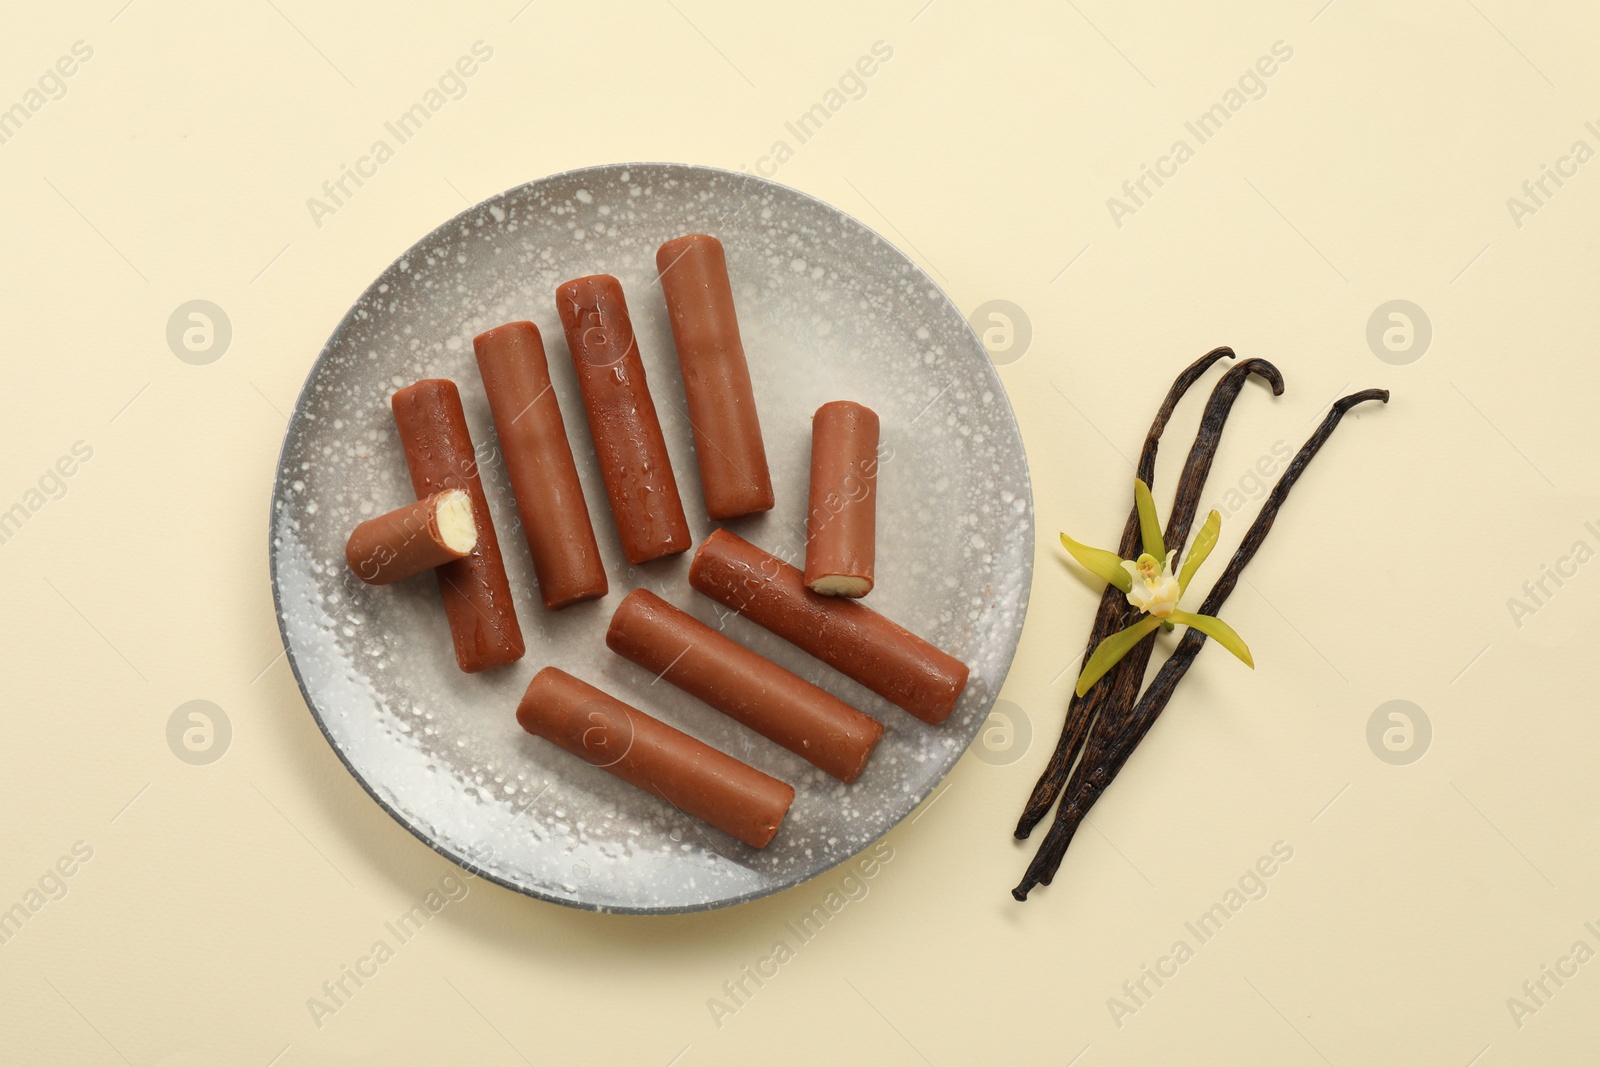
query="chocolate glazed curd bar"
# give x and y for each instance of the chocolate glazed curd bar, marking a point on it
(716, 378)
(842, 521)
(622, 419)
(544, 479)
(747, 687)
(409, 540)
(476, 594)
(645, 752)
(845, 634)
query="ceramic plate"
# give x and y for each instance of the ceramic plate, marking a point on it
(829, 310)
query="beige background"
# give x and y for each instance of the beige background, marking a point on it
(1377, 166)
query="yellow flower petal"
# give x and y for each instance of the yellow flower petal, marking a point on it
(1204, 542)
(1112, 649)
(1149, 524)
(1097, 561)
(1218, 631)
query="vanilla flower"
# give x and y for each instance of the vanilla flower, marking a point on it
(1151, 587)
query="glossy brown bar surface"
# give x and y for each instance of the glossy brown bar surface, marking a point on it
(779, 705)
(842, 521)
(401, 543)
(544, 480)
(716, 378)
(645, 752)
(622, 419)
(845, 634)
(476, 594)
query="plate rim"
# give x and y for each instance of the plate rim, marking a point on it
(465, 863)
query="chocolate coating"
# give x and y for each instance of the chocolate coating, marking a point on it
(476, 594)
(845, 634)
(533, 438)
(400, 543)
(842, 521)
(779, 705)
(716, 378)
(645, 752)
(622, 419)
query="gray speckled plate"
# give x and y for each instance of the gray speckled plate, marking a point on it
(829, 310)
